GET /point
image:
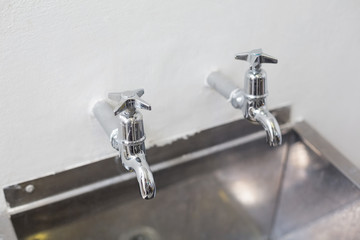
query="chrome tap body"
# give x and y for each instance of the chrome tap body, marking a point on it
(252, 98)
(128, 136)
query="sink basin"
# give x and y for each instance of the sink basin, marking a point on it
(241, 189)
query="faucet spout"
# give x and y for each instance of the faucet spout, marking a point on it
(270, 124)
(146, 183)
(139, 165)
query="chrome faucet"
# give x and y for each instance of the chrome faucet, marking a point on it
(252, 99)
(127, 135)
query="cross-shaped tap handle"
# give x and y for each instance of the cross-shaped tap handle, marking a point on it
(129, 100)
(256, 58)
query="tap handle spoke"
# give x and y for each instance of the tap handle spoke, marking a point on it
(129, 100)
(256, 58)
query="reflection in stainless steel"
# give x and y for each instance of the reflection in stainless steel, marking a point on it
(244, 192)
(303, 160)
(310, 191)
(140, 233)
(322, 147)
(343, 223)
(222, 195)
(128, 137)
(252, 99)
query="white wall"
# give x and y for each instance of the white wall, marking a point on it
(58, 56)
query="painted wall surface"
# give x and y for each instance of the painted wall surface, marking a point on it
(57, 57)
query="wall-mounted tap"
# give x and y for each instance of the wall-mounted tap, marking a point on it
(124, 126)
(252, 99)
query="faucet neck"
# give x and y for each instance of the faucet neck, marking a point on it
(255, 84)
(129, 112)
(255, 69)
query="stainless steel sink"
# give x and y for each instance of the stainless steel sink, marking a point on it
(208, 188)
